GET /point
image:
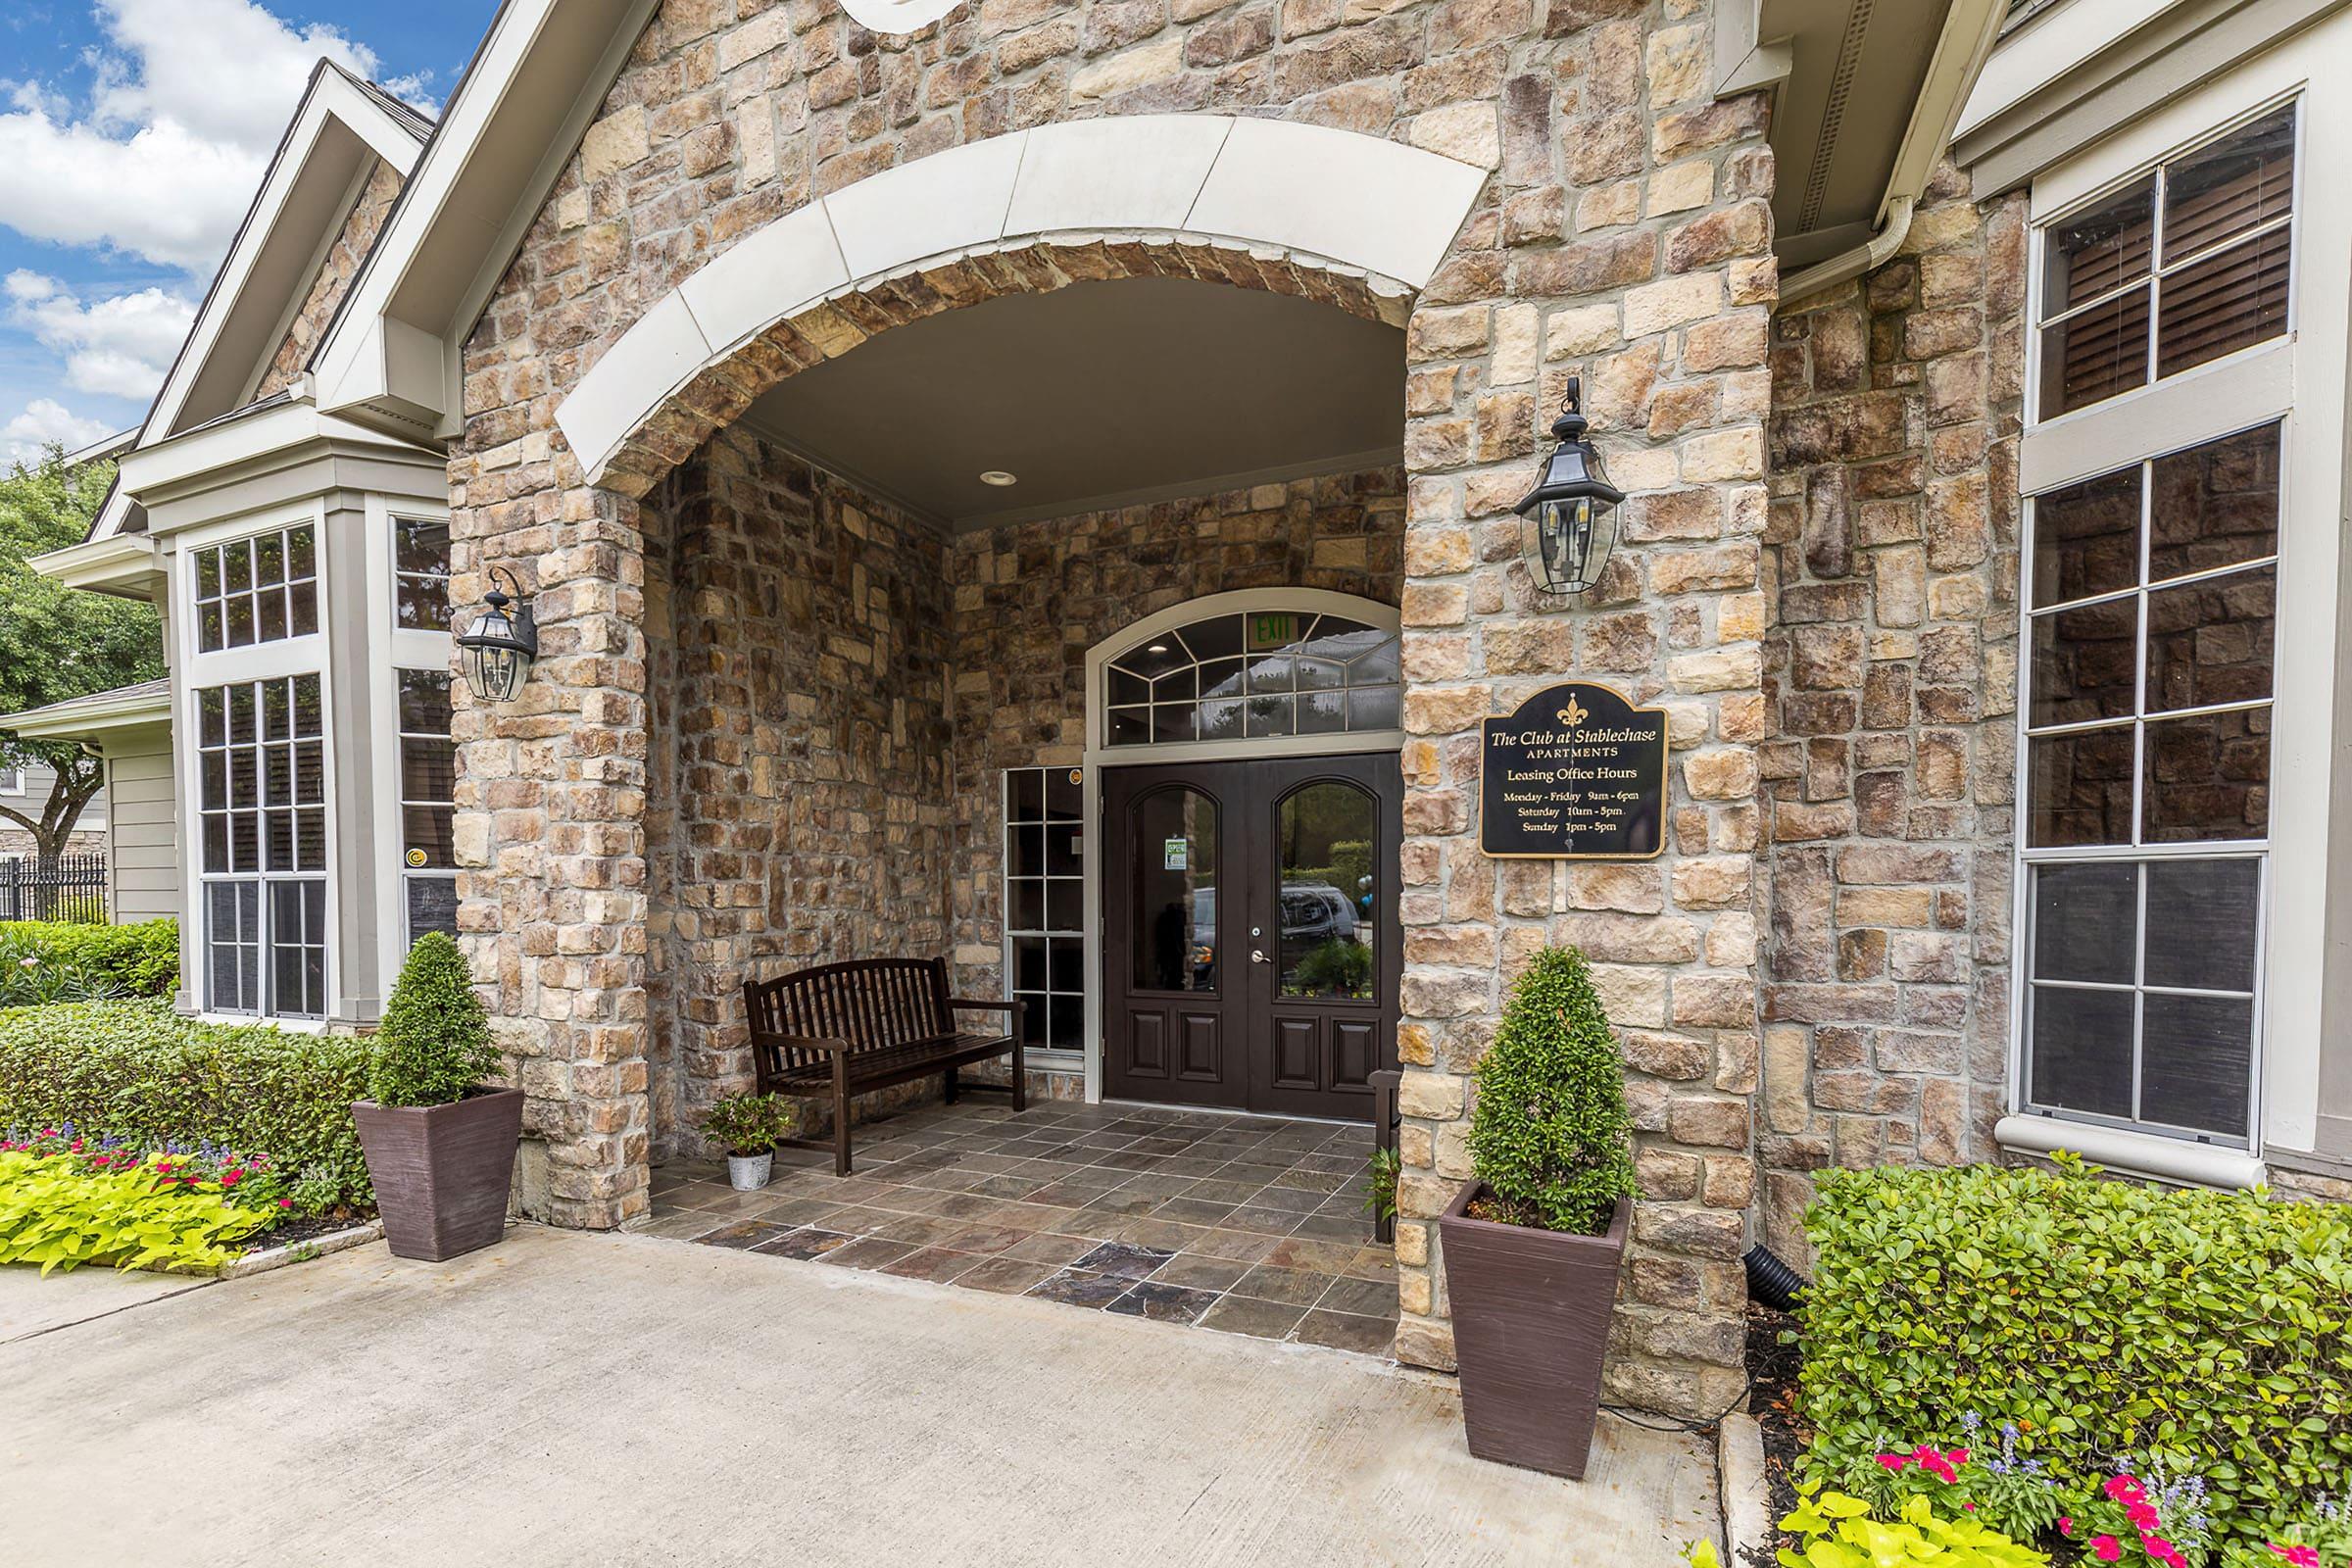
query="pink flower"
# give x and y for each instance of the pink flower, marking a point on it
(2066, 1524)
(2297, 1556)
(2142, 1515)
(2123, 1488)
(1894, 1463)
(2106, 1547)
(285, 1202)
(2163, 1550)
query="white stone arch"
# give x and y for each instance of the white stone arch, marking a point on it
(1336, 200)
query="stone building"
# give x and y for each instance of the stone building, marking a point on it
(1032, 482)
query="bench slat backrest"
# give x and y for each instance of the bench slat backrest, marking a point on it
(873, 1003)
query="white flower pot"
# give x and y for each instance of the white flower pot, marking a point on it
(748, 1173)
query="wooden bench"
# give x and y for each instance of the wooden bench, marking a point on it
(841, 1029)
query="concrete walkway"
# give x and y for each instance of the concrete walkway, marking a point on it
(569, 1398)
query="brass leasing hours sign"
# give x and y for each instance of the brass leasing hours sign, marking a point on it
(1576, 773)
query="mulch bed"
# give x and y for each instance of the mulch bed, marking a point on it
(292, 1232)
(1772, 1369)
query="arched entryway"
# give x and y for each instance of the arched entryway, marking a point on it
(1247, 801)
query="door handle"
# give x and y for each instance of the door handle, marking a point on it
(1258, 955)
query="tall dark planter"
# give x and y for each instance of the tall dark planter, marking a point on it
(441, 1172)
(1531, 1325)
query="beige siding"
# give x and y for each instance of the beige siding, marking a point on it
(143, 868)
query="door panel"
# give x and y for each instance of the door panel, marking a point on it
(1252, 949)
(1164, 983)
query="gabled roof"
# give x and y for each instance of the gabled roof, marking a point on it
(146, 701)
(342, 126)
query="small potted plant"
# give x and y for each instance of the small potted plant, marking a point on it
(1533, 1240)
(440, 1142)
(749, 1126)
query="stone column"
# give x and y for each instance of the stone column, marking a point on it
(1628, 240)
(550, 822)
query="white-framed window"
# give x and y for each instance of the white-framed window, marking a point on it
(260, 759)
(12, 781)
(1045, 903)
(421, 573)
(261, 588)
(1252, 674)
(2149, 662)
(428, 765)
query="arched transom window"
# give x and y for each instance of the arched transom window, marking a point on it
(1252, 674)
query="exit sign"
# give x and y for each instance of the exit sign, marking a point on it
(1274, 628)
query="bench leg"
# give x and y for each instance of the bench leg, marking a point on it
(948, 1085)
(841, 1115)
(1021, 1081)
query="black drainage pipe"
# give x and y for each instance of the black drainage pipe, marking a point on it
(1773, 1282)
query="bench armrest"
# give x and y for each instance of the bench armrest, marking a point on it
(986, 1006)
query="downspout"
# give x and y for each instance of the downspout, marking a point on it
(1970, 30)
(1880, 247)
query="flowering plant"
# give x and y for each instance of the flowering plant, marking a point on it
(253, 1180)
(2144, 1514)
(2010, 1492)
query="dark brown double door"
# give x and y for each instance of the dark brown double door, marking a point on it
(1250, 940)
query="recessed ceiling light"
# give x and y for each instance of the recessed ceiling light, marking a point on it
(998, 476)
(1156, 647)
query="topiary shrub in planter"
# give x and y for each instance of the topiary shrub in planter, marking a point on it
(749, 1127)
(1533, 1240)
(440, 1142)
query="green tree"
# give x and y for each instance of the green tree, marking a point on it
(57, 642)
(1551, 1135)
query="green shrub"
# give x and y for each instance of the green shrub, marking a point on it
(434, 1048)
(136, 1071)
(2101, 1318)
(139, 960)
(1550, 1135)
(59, 1216)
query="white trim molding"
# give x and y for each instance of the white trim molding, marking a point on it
(1360, 204)
(2165, 1160)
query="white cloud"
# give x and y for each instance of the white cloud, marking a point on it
(121, 345)
(45, 420)
(188, 101)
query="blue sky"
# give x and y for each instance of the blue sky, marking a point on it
(132, 134)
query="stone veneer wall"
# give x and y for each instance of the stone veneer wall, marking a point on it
(361, 225)
(1032, 598)
(799, 802)
(1628, 240)
(1626, 235)
(1891, 663)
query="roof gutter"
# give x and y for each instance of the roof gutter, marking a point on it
(1970, 29)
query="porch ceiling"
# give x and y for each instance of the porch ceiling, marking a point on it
(1096, 394)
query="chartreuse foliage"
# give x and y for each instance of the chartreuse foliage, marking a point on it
(434, 1048)
(1551, 1135)
(2097, 1317)
(72, 961)
(144, 1075)
(1836, 1531)
(60, 1217)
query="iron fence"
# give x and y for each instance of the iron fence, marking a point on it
(72, 887)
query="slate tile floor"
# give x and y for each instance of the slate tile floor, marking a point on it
(1248, 1224)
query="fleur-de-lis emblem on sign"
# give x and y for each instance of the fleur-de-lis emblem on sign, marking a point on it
(1574, 713)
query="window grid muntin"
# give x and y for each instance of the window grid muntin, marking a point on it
(2158, 173)
(238, 805)
(1052, 1011)
(1377, 699)
(296, 592)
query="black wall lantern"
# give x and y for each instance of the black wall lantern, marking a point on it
(497, 649)
(1574, 505)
